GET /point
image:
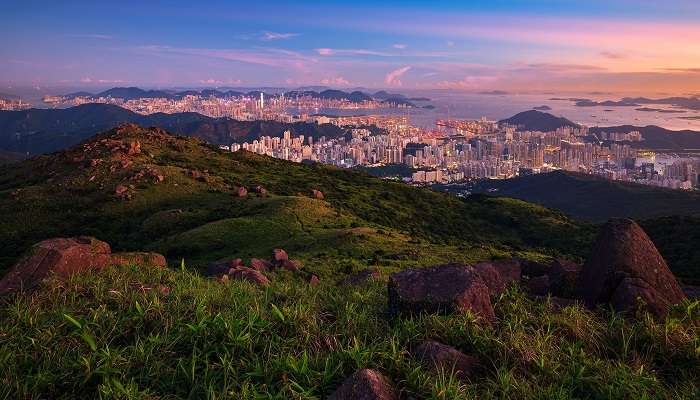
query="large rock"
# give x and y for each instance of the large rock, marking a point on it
(498, 275)
(441, 357)
(260, 265)
(563, 275)
(61, 256)
(317, 194)
(624, 268)
(440, 289)
(365, 384)
(279, 256)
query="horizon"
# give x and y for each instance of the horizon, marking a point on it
(618, 47)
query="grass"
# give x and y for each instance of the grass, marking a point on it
(114, 334)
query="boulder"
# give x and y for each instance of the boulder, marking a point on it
(563, 275)
(625, 270)
(120, 190)
(361, 277)
(440, 357)
(134, 148)
(539, 285)
(259, 189)
(260, 265)
(317, 194)
(138, 258)
(439, 289)
(279, 255)
(499, 274)
(223, 266)
(250, 275)
(365, 384)
(533, 268)
(241, 191)
(290, 265)
(60, 256)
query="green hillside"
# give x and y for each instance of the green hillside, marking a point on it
(138, 332)
(199, 218)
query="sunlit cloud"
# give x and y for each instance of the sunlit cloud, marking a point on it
(351, 52)
(337, 81)
(212, 81)
(400, 46)
(392, 78)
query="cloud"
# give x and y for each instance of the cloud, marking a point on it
(212, 81)
(88, 79)
(93, 36)
(399, 46)
(392, 78)
(612, 56)
(469, 82)
(551, 67)
(337, 81)
(686, 70)
(277, 36)
(351, 52)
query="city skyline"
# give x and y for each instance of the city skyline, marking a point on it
(617, 46)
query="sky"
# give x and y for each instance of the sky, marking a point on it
(630, 46)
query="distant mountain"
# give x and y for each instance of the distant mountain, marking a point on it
(40, 131)
(657, 138)
(595, 198)
(538, 121)
(384, 95)
(692, 103)
(131, 93)
(494, 92)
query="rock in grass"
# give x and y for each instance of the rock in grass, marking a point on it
(241, 192)
(563, 275)
(317, 194)
(260, 265)
(67, 256)
(313, 279)
(625, 270)
(440, 289)
(365, 384)
(361, 277)
(499, 274)
(279, 255)
(440, 357)
(290, 265)
(223, 266)
(250, 275)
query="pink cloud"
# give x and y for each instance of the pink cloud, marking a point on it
(392, 78)
(337, 81)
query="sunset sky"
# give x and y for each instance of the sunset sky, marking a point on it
(615, 45)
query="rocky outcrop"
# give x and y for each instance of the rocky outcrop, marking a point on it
(365, 384)
(440, 289)
(64, 257)
(626, 270)
(440, 357)
(498, 275)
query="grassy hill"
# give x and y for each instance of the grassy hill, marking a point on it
(146, 333)
(670, 217)
(199, 218)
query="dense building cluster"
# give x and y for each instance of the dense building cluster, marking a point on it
(482, 150)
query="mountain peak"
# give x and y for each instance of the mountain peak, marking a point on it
(538, 121)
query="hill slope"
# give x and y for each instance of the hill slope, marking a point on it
(69, 194)
(670, 217)
(533, 120)
(139, 332)
(40, 131)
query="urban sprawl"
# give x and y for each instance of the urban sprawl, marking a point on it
(454, 151)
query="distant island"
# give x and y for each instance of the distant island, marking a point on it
(542, 108)
(495, 92)
(691, 103)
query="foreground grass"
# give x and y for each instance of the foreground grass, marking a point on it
(121, 334)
